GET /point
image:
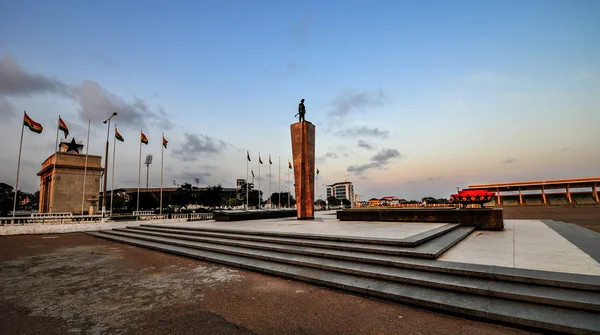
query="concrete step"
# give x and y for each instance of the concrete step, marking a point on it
(548, 278)
(523, 314)
(329, 244)
(516, 291)
(431, 249)
(407, 242)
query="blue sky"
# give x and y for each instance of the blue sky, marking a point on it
(409, 98)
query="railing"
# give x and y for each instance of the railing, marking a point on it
(63, 218)
(411, 206)
(73, 219)
(139, 213)
(152, 217)
(200, 216)
(49, 215)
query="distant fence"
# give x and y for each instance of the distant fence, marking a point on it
(50, 219)
(412, 206)
(69, 218)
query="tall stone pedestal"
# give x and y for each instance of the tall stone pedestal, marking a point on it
(303, 149)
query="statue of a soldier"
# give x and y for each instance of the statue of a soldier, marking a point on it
(301, 111)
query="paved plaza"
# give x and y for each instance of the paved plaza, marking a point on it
(75, 284)
(525, 244)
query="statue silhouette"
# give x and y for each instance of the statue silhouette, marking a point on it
(301, 111)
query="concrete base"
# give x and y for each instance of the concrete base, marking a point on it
(253, 215)
(481, 218)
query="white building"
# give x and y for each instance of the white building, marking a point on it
(342, 190)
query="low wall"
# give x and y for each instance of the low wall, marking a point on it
(253, 215)
(31, 229)
(481, 218)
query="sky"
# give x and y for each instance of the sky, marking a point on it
(409, 98)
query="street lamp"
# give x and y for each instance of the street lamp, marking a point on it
(107, 121)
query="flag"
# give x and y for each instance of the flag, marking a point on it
(259, 160)
(32, 125)
(289, 165)
(317, 170)
(144, 139)
(165, 142)
(248, 156)
(270, 162)
(63, 126)
(252, 173)
(118, 136)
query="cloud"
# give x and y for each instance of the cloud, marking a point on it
(366, 145)
(97, 103)
(300, 29)
(429, 179)
(332, 153)
(364, 131)
(509, 161)
(353, 102)
(7, 110)
(14, 81)
(190, 177)
(378, 161)
(197, 145)
(565, 148)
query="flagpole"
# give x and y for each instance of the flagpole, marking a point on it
(18, 168)
(259, 197)
(112, 181)
(288, 186)
(270, 191)
(54, 165)
(87, 148)
(162, 158)
(139, 175)
(279, 202)
(247, 155)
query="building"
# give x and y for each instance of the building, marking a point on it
(556, 192)
(390, 201)
(61, 183)
(342, 190)
(238, 184)
(374, 202)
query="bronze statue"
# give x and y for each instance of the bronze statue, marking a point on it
(301, 111)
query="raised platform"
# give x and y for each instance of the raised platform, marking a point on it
(386, 266)
(236, 215)
(480, 218)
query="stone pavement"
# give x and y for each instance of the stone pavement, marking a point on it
(525, 244)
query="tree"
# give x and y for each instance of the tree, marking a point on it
(429, 200)
(284, 199)
(213, 196)
(346, 202)
(241, 191)
(7, 194)
(333, 201)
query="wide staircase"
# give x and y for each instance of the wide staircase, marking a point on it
(403, 270)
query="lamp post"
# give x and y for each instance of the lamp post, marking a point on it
(107, 121)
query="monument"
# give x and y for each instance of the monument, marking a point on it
(62, 179)
(303, 151)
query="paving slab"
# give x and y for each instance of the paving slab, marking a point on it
(585, 239)
(324, 224)
(524, 244)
